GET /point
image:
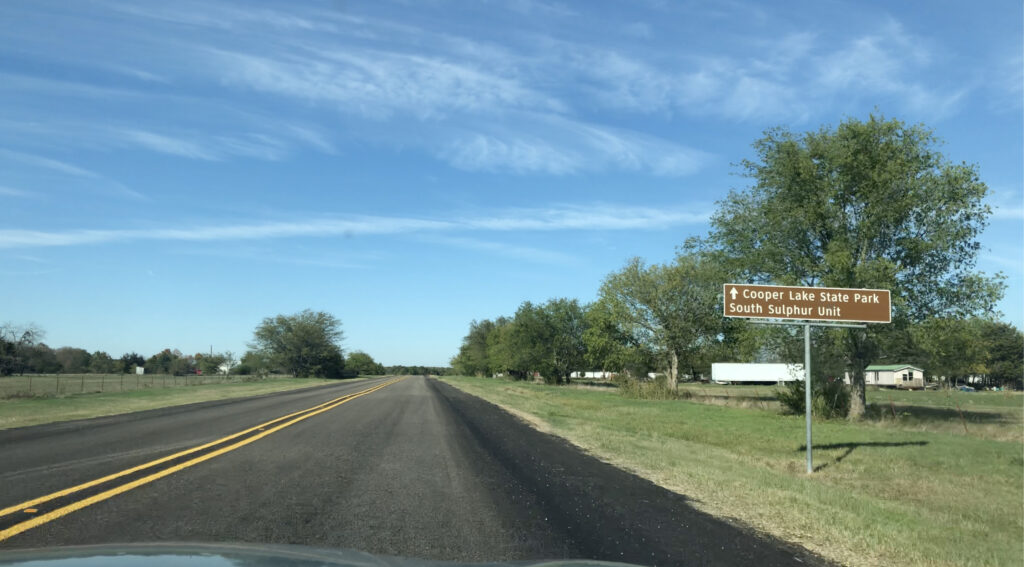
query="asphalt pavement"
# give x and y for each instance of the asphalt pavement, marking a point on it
(413, 468)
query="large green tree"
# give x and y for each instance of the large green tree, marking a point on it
(671, 309)
(868, 204)
(502, 358)
(543, 338)
(162, 362)
(610, 347)
(307, 343)
(101, 363)
(1005, 352)
(41, 359)
(566, 350)
(472, 358)
(209, 363)
(363, 364)
(73, 360)
(951, 347)
(15, 341)
(130, 360)
(957, 348)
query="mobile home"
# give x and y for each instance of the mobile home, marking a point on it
(892, 375)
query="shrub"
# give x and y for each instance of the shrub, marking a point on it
(830, 398)
(658, 389)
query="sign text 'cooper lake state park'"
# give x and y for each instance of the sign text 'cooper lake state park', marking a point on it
(807, 303)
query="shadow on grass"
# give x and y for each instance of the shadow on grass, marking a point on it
(931, 413)
(739, 398)
(851, 447)
(593, 383)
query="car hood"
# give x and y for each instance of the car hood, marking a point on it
(234, 555)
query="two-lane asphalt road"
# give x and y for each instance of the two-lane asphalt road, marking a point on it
(412, 468)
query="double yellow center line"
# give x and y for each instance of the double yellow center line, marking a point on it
(249, 435)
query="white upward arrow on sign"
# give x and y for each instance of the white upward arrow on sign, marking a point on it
(732, 292)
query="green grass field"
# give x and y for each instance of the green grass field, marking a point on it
(881, 495)
(987, 415)
(31, 385)
(25, 411)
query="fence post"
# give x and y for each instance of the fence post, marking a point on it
(82, 384)
(30, 384)
(58, 384)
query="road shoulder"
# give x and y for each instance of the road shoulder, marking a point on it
(616, 514)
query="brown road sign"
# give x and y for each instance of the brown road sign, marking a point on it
(807, 303)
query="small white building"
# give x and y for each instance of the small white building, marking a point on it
(760, 373)
(892, 375)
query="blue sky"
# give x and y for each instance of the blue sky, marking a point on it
(173, 172)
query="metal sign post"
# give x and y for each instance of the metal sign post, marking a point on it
(807, 372)
(806, 306)
(807, 393)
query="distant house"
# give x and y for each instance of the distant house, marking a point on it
(892, 375)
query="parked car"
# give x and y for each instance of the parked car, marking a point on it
(965, 388)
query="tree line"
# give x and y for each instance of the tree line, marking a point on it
(867, 204)
(304, 344)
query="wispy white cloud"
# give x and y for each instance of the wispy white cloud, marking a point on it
(1008, 213)
(168, 145)
(98, 181)
(138, 74)
(602, 217)
(467, 97)
(478, 105)
(377, 84)
(1014, 264)
(266, 138)
(1007, 203)
(559, 145)
(11, 192)
(215, 148)
(538, 8)
(479, 152)
(1007, 81)
(57, 88)
(14, 238)
(528, 253)
(48, 163)
(882, 62)
(224, 16)
(269, 254)
(783, 79)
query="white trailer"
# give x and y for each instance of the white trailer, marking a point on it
(739, 372)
